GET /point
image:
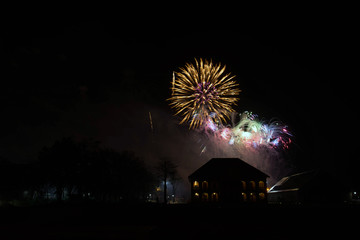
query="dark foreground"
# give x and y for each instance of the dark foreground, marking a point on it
(178, 222)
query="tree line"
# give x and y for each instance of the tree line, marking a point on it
(70, 170)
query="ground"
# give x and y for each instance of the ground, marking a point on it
(177, 222)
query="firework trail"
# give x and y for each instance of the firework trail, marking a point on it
(203, 90)
(151, 123)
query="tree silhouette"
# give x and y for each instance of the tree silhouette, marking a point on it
(61, 164)
(89, 171)
(70, 170)
(175, 179)
(166, 170)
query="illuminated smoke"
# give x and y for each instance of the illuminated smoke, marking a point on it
(259, 143)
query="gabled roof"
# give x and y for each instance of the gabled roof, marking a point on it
(227, 168)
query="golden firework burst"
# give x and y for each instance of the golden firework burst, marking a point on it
(203, 90)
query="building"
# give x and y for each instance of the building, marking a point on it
(228, 180)
(313, 186)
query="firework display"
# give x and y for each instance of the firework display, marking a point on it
(249, 132)
(203, 91)
(204, 95)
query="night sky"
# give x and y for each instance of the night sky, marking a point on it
(71, 76)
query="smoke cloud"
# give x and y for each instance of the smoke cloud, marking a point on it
(129, 127)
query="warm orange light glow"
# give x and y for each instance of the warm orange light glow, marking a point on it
(196, 184)
(214, 197)
(261, 196)
(243, 183)
(252, 184)
(244, 197)
(261, 185)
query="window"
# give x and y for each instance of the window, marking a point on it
(205, 197)
(261, 196)
(244, 197)
(196, 196)
(261, 185)
(243, 185)
(252, 197)
(204, 185)
(252, 185)
(214, 197)
(196, 185)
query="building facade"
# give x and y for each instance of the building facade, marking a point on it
(228, 180)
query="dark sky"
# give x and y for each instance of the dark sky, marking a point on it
(100, 78)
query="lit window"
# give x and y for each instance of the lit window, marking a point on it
(196, 195)
(252, 197)
(244, 197)
(214, 197)
(243, 185)
(261, 185)
(252, 185)
(261, 196)
(196, 185)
